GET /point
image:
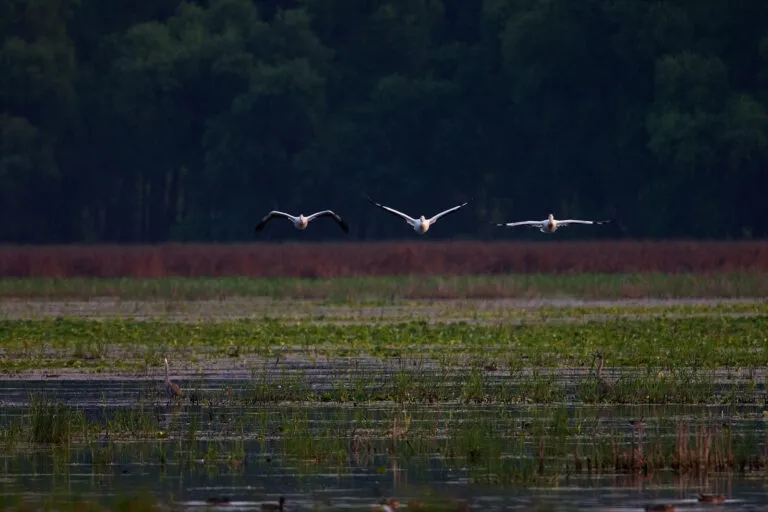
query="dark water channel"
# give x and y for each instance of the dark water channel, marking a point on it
(127, 438)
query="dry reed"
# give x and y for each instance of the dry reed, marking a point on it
(383, 259)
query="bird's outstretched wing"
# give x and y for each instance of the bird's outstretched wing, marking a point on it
(446, 212)
(534, 223)
(576, 221)
(392, 211)
(271, 215)
(330, 213)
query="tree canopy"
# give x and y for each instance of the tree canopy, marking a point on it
(157, 120)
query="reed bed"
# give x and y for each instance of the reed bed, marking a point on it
(523, 445)
(333, 260)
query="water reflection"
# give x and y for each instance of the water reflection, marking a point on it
(223, 452)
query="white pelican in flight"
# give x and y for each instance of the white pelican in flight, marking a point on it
(420, 225)
(550, 224)
(301, 221)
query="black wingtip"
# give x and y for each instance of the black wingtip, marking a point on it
(343, 225)
(341, 222)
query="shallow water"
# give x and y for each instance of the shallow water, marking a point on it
(347, 456)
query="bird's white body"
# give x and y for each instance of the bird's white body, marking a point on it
(422, 224)
(301, 222)
(550, 224)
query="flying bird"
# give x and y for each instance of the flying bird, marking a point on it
(550, 224)
(301, 222)
(420, 225)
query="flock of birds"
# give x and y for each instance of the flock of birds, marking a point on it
(421, 224)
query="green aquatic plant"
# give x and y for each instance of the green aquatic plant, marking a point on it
(384, 290)
(54, 423)
(699, 343)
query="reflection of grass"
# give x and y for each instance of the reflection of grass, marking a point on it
(50, 423)
(520, 445)
(67, 501)
(592, 286)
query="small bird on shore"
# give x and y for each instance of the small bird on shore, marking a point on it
(274, 507)
(664, 507)
(550, 224)
(301, 222)
(420, 225)
(711, 498)
(173, 389)
(387, 505)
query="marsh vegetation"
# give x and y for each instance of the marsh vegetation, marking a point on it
(235, 432)
(577, 286)
(339, 405)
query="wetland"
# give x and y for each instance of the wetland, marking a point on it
(453, 404)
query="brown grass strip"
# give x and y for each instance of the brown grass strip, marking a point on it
(383, 259)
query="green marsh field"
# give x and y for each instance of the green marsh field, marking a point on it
(388, 289)
(510, 393)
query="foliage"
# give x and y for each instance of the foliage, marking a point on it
(163, 120)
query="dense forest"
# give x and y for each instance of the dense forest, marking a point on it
(128, 121)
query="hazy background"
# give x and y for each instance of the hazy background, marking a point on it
(155, 120)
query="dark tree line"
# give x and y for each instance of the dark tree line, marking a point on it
(152, 120)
